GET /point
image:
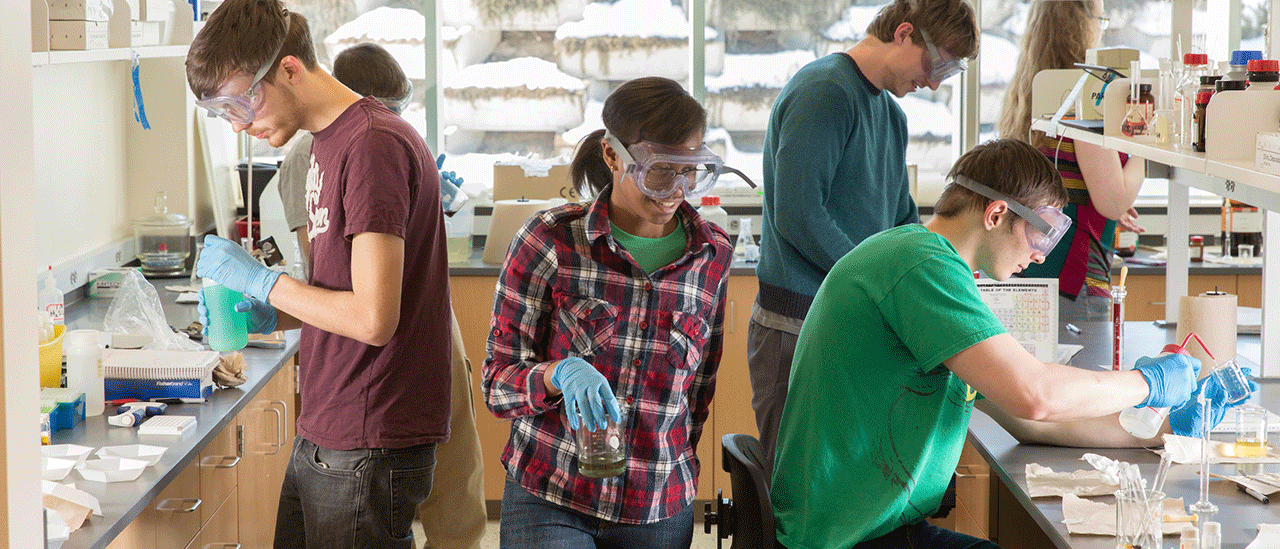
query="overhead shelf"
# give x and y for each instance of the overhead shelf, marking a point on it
(110, 54)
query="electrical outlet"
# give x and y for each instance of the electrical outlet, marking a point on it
(118, 257)
(733, 226)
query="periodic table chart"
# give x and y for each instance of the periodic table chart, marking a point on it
(1028, 309)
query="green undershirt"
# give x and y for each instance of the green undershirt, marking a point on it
(652, 253)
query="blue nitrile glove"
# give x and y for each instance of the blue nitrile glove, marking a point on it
(228, 263)
(1185, 420)
(262, 316)
(586, 391)
(1171, 379)
(450, 184)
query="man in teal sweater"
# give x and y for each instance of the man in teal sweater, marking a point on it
(835, 172)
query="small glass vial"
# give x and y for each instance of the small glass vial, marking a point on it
(46, 430)
(1200, 118)
(1117, 326)
(1212, 535)
(1190, 538)
(1197, 248)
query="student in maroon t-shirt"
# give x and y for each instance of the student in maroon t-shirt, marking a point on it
(374, 315)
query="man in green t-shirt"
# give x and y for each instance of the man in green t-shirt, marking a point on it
(897, 346)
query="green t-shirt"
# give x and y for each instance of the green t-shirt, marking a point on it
(874, 424)
(652, 253)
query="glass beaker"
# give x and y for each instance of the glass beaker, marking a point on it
(1138, 519)
(601, 453)
(228, 328)
(1245, 252)
(1235, 386)
(1251, 431)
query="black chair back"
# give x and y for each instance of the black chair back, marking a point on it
(752, 509)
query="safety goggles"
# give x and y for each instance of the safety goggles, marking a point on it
(941, 64)
(660, 170)
(243, 108)
(1045, 225)
(397, 104)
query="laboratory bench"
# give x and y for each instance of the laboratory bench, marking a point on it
(217, 484)
(1015, 520)
(1146, 284)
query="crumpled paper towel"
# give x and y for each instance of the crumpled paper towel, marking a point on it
(1187, 450)
(1083, 516)
(1268, 537)
(1044, 482)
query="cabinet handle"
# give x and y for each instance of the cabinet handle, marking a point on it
(967, 469)
(279, 430)
(221, 545)
(282, 428)
(192, 505)
(731, 315)
(220, 462)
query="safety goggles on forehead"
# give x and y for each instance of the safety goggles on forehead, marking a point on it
(941, 64)
(1045, 225)
(659, 170)
(242, 109)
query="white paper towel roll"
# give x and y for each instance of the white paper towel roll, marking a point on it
(1212, 316)
(508, 217)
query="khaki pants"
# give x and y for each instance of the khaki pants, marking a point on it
(453, 516)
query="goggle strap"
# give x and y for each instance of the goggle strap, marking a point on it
(623, 154)
(739, 174)
(1016, 207)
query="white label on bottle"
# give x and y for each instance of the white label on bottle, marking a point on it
(56, 312)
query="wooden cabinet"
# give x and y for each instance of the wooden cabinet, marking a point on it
(730, 410)
(1145, 298)
(266, 428)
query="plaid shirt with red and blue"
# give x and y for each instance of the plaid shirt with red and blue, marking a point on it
(568, 289)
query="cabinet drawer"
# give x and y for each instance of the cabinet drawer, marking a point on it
(222, 530)
(218, 464)
(176, 511)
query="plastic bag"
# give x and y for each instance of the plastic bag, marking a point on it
(136, 310)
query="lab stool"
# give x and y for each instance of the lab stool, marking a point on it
(749, 516)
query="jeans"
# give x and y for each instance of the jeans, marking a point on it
(348, 499)
(922, 535)
(530, 522)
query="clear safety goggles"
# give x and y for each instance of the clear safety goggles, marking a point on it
(243, 108)
(397, 104)
(659, 170)
(941, 64)
(1045, 225)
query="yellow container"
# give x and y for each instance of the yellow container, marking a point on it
(51, 359)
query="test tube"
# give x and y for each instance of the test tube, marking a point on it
(1117, 326)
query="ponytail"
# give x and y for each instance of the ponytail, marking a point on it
(588, 171)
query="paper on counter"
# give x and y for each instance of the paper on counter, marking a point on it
(1256, 485)
(1268, 537)
(1044, 482)
(72, 504)
(1083, 516)
(1185, 450)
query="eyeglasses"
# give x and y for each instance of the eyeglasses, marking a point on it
(1045, 225)
(1103, 22)
(661, 170)
(242, 108)
(941, 64)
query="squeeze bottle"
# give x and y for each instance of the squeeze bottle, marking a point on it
(84, 369)
(50, 297)
(1145, 422)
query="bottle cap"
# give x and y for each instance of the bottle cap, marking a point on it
(1232, 85)
(1241, 57)
(1195, 58)
(1202, 98)
(75, 338)
(1197, 239)
(711, 200)
(1144, 88)
(1209, 79)
(1174, 348)
(1263, 65)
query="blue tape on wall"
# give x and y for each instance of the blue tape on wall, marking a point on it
(139, 109)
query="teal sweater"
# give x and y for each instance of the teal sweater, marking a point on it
(834, 174)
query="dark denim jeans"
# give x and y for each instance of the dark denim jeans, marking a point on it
(922, 535)
(530, 522)
(348, 499)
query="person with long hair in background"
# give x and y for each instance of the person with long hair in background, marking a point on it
(1102, 184)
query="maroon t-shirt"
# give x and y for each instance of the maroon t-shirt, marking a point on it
(371, 172)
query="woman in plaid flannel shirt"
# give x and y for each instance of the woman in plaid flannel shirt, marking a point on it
(613, 308)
